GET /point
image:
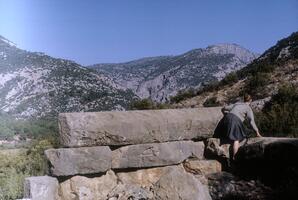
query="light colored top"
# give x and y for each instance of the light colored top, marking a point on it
(241, 110)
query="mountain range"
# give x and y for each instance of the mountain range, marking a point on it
(159, 78)
(33, 84)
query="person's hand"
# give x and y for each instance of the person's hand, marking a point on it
(258, 134)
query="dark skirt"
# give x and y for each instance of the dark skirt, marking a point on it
(230, 128)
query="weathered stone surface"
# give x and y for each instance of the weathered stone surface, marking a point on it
(85, 160)
(215, 150)
(143, 177)
(41, 187)
(23, 199)
(136, 127)
(127, 192)
(202, 167)
(178, 184)
(202, 179)
(84, 188)
(170, 182)
(156, 154)
(220, 152)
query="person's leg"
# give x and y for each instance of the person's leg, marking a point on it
(235, 148)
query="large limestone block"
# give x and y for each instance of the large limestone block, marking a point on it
(84, 188)
(73, 161)
(41, 187)
(215, 150)
(145, 178)
(202, 167)
(136, 127)
(156, 154)
(178, 184)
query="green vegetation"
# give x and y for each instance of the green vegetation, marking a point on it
(182, 95)
(147, 104)
(211, 102)
(257, 74)
(279, 116)
(26, 128)
(209, 87)
(17, 164)
(255, 84)
(230, 79)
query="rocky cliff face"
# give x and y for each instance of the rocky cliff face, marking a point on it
(159, 78)
(34, 84)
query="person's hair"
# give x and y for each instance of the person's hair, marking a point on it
(246, 98)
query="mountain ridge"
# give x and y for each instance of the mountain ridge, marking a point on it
(276, 67)
(160, 77)
(36, 85)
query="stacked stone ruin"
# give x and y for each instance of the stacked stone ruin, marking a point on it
(130, 155)
(137, 154)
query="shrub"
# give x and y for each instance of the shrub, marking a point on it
(210, 86)
(147, 104)
(279, 116)
(27, 128)
(143, 104)
(211, 102)
(230, 79)
(182, 95)
(17, 164)
(255, 84)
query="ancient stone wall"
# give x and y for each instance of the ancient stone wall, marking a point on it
(134, 155)
(129, 155)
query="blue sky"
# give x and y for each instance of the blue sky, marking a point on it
(101, 31)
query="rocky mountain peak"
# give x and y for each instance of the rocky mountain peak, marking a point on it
(235, 49)
(276, 68)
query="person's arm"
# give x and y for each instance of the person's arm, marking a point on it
(227, 108)
(251, 119)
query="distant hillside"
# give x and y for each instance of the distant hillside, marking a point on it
(158, 78)
(36, 85)
(275, 67)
